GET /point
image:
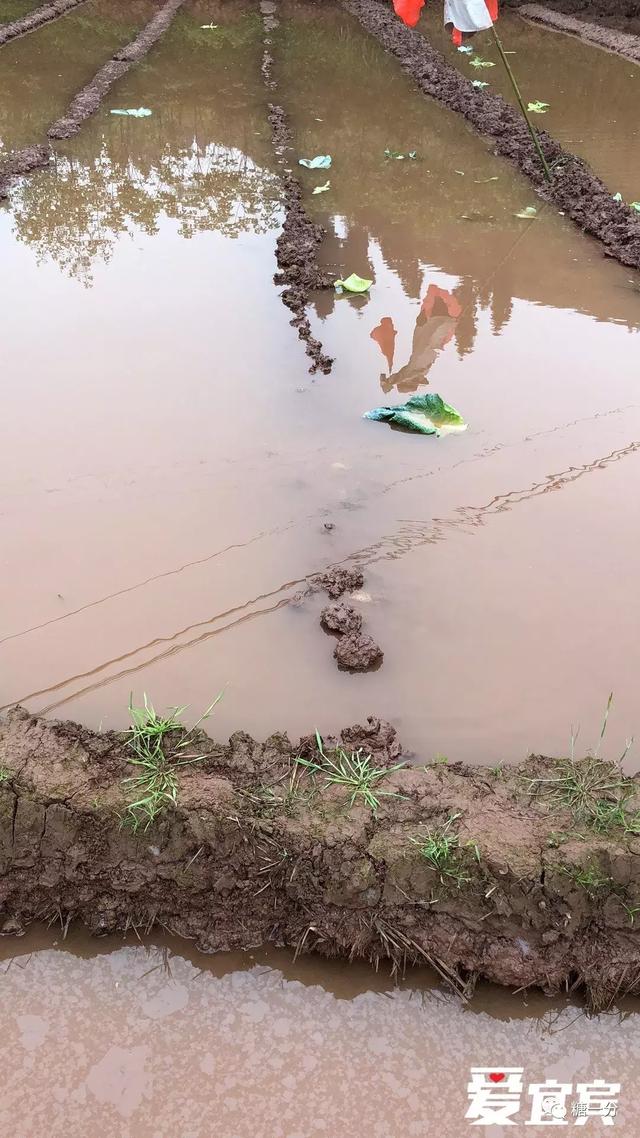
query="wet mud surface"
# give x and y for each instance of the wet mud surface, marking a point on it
(622, 42)
(36, 19)
(298, 243)
(249, 856)
(574, 187)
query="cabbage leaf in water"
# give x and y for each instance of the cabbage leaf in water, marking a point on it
(354, 283)
(426, 414)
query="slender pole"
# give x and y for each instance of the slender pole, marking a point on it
(532, 129)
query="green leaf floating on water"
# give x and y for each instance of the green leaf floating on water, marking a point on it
(426, 414)
(481, 63)
(134, 112)
(527, 213)
(538, 107)
(320, 162)
(398, 155)
(354, 283)
(322, 189)
(466, 49)
(479, 83)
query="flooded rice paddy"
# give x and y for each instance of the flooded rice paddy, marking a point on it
(171, 476)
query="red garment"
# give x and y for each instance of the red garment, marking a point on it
(409, 11)
(492, 8)
(385, 337)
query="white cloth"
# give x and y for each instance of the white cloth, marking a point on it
(467, 15)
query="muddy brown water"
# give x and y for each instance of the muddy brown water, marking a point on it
(592, 94)
(171, 474)
(153, 1040)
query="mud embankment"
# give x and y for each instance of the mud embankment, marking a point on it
(621, 42)
(260, 849)
(621, 14)
(36, 19)
(298, 244)
(574, 188)
(88, 100)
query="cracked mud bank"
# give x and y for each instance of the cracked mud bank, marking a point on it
(259, 849)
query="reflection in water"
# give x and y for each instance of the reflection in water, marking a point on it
(78, 214)
(435, 326)
(141, 1041)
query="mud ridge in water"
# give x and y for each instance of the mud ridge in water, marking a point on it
(575, 189)
(21, 163)
(298, 243)
(610, 38)
(621, 14)
(88, 100)
(36, 19)
(257, 850)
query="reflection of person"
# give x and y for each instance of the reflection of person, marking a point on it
(435, 326)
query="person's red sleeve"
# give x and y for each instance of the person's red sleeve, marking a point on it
(409, 11)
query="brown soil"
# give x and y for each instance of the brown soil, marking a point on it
(341, 618)
(358, 652)
(36, 19)
(243, 859)
(298, 244)
(88, 100)
(622, 42)
(575, 189)
(338, 580)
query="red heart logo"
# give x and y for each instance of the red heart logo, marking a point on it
(496, 1076)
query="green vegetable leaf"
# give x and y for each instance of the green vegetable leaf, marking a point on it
(321, 189)
(527, 213)
(466, 49)
(635, 205)
(354, 283)
(320, 162)
(617, 197)
(479, 83)
(426, 414)
(481, 63)
(134, 112)
(538, 107)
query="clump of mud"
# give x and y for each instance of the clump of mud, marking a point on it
(298, 244)
(89, 99)
(358, 652)
(338, 580)
(36, 19)
(527, 895)
(574, 188)
(355, 651)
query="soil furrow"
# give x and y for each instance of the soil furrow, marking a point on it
(298, 244)
(36, 19)
(479, 872)
(575, 189)
(623, 43)
(88, 100)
